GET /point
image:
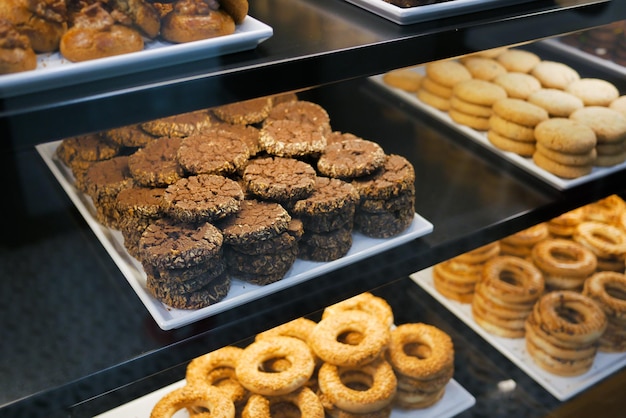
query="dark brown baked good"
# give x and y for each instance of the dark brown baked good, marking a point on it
(237, 9)
(42, 21)
(95, 34)
(142, 15)
(291, 138)
(255, 221)
(278, 262)
(394, 177)
(129, 136)
(170, 244)
(205, 197)
(156, 165)
(351, 158)
(383, 224)
(16, 53)
(279, 179)
(245, 112)
(211, 293)
(142, 202)
(194, 20)
(326, 246)
(181, 125)
(212, 153)
(302, 111)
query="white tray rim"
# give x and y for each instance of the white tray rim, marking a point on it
(480, 137)
(241, 292)
(562, 388)
(54, 71)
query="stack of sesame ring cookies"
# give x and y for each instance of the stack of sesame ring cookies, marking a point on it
(608, 289)
(607, 242)
(505, 296)
(565, 264)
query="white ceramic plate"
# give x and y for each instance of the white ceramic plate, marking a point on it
(240, 291)
(407, 16)
(514, 349)
(480, 137)
(54, 71)
(455, 400)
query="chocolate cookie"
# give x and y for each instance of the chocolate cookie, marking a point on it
(383, 224)
(401, 201)
(246, 133)
(325, 246)
(351, 158)
(168, 244)
(396, 175)
(262, 264)
(303, 112)
(290, 138)
(179, 126)
(330, 206)
(213, 292)
(212, 153)
(184, 280)
(255, 221)
(129, 136)
(91, 147)
(143, 202)
(132, 228)
(156, 164)
(279, 179)
(246, 112)
(205, 197)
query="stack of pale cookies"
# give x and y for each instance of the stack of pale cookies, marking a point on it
(539, 109)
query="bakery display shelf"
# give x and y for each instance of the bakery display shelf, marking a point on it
(410, 15)
(455, 400)
(240, 291)
(55, 71)
(514, 349)
(480, 137)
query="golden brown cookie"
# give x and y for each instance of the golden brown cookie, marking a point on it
(565, 135)
(557, 102)
(555, 75)
(585, 158)
(433, 100)
(523, 148)
(520, 112)
(405, 79)
(476, 122)
(518, 60)
(435, 88)
(518, 85)
(593, 91)
(609, 125)
(479, 92)
(470, 108)
(561, 170)
(619, 104)
(511, 130)
(483, 68)
(447, 72)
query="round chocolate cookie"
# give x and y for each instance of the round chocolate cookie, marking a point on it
(213, 292)
(325, 246)
(281, 242)
(246, 112)
(403, 200)
(212, 153)
(129, 136)
(330, 206)
(351, 158)
(279, 179)
(290, 138)
(205, 197)
(132, 228)
(246, 133)
(103, 181)
(91, 147)
(156, 164)
(338, 136)
(303, 112)
(184, 280)
(256, 220)
(383, 224)
(179, 126)
(270, 263)
(396, 176)
(143, 202)
(168, 244)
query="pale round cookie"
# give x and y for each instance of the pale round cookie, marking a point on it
(476, 122)
(558, 103)
(586, 158)
(518, 85)
(520, 112)
(483, 68)
(555, 75)
(609, 125)
(511, 129)
(525, 149)
(433, 100)
(479, 92)
(435, 88)
(518, 60)
(619, 104)
(405, 79)
(470, 108)
(565, 135)
(611, 148)
(610, 160)
(561, 170)
(447, 72)
(492, 52)
(593, 91)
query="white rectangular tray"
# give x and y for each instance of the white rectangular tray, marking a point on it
(54, 71)
(410, 15)
(514, 349)
(454, 401)
(480, 137)
(240, 292)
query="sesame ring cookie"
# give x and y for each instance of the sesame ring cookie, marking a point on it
(211, 153)
(554, 74)
(304, 400)
(279, 179)
(518, 85)
(199, 370)
(205, 197)
(189, 397)
(593, 91)
(179, 126)
(304, 112)
(245, 112)
(351, 158)
(291, 138)
(367, 302)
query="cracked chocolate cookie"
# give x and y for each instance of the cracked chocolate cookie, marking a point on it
(255, 221)
(279, 179)
(156, 164)
(351, 158)
(212, 153)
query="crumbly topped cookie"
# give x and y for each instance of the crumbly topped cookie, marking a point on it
(248, 134)
(91, 147)
(129, 136)
(245, 112)
(291, 138)
(180, 126)
(205, 197)
(351, 158)
(565, 135)
(143, 202)
(106, 178)
(156, 164)
(256, 220)
(167, 243)
(212, 153)
(302, 111)
(329, 195)
(394, 177)
(279, 179)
